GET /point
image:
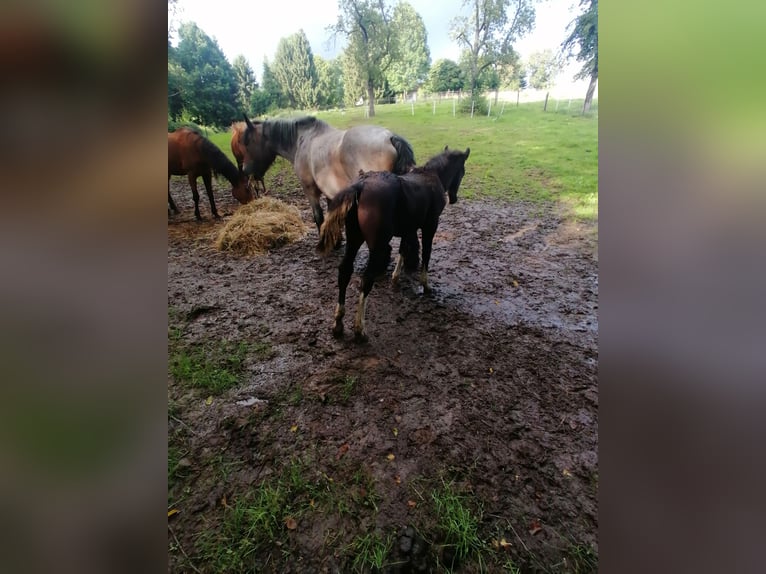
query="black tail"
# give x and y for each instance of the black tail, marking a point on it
(219, 162)
(405, 157)
(337, 209)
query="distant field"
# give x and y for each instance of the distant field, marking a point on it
(521, 154)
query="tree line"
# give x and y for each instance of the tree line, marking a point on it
(386, 54)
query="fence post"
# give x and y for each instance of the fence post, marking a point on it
(434, 107)
(489, 107)
(453, 107)
(502, 108)
(412, 105)
(557, 105)
(545, 106)
(472, 103)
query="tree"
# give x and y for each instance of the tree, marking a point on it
(178, 86)
(246, 83)
(542, 67)
(372, 43)
(294, 71)
(584, 35)
(275, 96)
(354, 86)
(489, 32)
(329, 82)
(445, 75)
(411, 68)
(212, 85)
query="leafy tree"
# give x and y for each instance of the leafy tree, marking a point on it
(542, 67)
(354, 86)
(372, 43)
(178, 86)
(260, 102)
(275, 96)
(489, 32)
(584, 35)
(411, 68)
(329, 82)
(246, 83)
(212, 85)
(445, 75)
(294, 71)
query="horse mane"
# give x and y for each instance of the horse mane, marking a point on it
(437, 162)
(283, 133)
(218, 161)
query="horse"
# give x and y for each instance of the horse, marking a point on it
(192, 154)
(382, 205)
(259, 168)
(326, 159)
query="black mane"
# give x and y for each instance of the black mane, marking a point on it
(283, 133)
(219, 162)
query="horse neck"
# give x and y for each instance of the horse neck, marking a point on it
(286, 144)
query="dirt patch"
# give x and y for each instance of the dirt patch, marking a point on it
(485, 390)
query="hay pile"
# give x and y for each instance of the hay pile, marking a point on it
(260, 225)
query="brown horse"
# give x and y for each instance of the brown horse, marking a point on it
(326, 159)
(190, 153)
(259, 168)
(382, 205)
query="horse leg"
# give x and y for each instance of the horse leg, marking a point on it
(170, 200)
(208, 181)
(428, 238)
(312, 192)
(345, 269)
(195, 195)
(379, 258)
(408, 243)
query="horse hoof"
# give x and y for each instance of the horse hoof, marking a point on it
(361, 337)
(337, 331)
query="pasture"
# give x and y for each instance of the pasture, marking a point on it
(463, 436)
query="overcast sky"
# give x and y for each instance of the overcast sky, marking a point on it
(254, 28)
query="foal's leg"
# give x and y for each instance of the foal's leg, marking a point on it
(408, 242)
(428, 238)
(208, 180)
(379, 258)
(345, 269)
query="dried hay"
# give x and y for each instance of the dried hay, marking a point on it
(260, 225)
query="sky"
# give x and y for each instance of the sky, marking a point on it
(254, 29)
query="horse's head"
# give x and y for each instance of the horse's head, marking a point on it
(258, 156)
(457, 160)
(242, 192)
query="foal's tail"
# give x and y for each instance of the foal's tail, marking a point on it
(405, 157)
(332, 229)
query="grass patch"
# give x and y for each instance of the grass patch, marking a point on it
(370, 552)
(457, 525)
(216, 367)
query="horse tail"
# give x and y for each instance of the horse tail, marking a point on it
(219, 162)
(337, 210)
(405, 157)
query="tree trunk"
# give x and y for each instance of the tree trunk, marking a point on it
(589, 94)
(497, 92)
(371, 97)
(545, 106)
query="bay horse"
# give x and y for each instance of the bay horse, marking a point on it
(382, 205)
(259, 168)
(192, 154)
(326, 159)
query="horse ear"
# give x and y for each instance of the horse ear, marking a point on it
(467, 152)
(446, 148)
(248, 122)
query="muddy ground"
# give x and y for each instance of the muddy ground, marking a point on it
(486, 390)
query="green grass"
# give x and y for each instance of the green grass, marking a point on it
(458, 525)
(524, 154)
(215, 367)
(370, 551)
